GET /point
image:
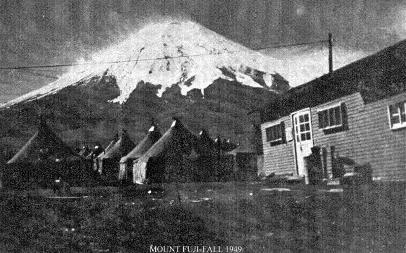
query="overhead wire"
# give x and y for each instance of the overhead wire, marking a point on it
(154, 59)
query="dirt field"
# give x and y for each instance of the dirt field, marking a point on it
(253, 216)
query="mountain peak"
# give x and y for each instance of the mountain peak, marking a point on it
(174, 52)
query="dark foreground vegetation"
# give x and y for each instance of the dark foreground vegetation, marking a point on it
(257, 217)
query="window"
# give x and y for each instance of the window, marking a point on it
(397, 115)
(331, 117)
(302, 127)
(276, 134)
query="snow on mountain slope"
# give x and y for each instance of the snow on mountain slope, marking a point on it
(168, 53)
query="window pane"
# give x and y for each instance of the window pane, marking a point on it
(306, 117)
(303, 137)
(278, 132)
(274, 133)
(395, 119)
(301, 119)
(394, 114)
(392, 109)
(270, 133)
(308, 136)
(320, 115)
(402, 113)
(395, 110)
(302, 128)
(331, 117)
(337, 114)
(307, 127)
(325, 118)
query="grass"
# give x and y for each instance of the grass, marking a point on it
(369, 219)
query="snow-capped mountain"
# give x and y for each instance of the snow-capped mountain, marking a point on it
(164, 70)
(180, 53)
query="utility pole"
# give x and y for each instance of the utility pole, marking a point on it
(330, 53)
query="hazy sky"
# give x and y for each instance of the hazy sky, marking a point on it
(55, 31)
(365, 24)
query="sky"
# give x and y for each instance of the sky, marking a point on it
(51, 31)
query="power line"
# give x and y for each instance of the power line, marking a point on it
(34, 73)
(153, 59)
(293, 45)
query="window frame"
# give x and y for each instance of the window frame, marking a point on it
(401, 124)
(327, 109)
(282, 130)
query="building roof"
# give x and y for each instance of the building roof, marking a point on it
(153, 136)
(375, 77)
(43, 145)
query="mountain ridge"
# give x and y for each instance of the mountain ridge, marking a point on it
(91, 102)
(162, 54)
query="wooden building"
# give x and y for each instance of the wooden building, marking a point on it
(357, 111)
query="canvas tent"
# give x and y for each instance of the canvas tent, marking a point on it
(205, 145)
(224, 162)
(225, 145)
(43, 158)
(247, 155)
(207, 157)
(109, 161)
(97, 159)
(245, 162)
(96, 151)
(145, 144)
(165, 160)
(85, 151)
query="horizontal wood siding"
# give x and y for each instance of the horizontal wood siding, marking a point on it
(279, 159)
(369, 138)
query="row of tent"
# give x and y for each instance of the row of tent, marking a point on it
(177, 155)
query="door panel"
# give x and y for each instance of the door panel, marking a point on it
(303, 138)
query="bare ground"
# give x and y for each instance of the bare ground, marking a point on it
(255, 216)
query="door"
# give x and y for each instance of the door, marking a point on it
(302, 128)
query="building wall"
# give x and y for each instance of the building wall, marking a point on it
(347, 143)
(368, 139)
(279, 159)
